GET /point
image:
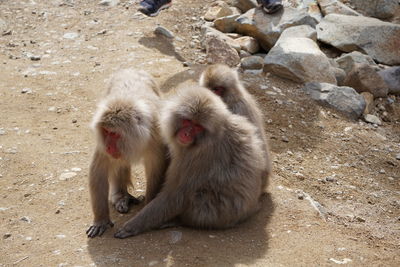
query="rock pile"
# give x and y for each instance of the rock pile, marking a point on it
(289, 44)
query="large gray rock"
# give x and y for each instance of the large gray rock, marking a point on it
(300, 60)
(252, 63)
(218, 51)
(364, 78)
(380, 40)
(267, 28)
(342, 98)
(305, 31)
(336, 7)
(310, 6)
(381, 9)
(392, 78)
(207, 32)
(347, 61)
(244, 5)
(226, 24)
(218, 9)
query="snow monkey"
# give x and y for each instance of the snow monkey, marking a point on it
(127, 129)
(213, 180)
(225, 82)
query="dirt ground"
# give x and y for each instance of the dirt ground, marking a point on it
(334, 198)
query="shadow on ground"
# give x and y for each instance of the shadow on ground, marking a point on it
(243, 244)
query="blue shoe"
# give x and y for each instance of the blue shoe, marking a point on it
(270, 6)
(153, 7)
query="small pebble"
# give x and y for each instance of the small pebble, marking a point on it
(26, 91)
(6, 235)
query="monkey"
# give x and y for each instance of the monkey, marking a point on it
(224, 81)
(127, 130)
(216, 159)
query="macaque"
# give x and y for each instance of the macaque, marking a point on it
(213, 180)
(225, 82)
(127, 129)
(270, 6)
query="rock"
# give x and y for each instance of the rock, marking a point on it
(372, 119)
(226, 24)
(364, 78)
(244, 54)
(267, 28)
(26, 219)
(335, 6)
(342, 98)
(26, 91)
(218, 9)
(236, 11)
(369, 102)
(208, 32)
(175, 237)
(248, 44)
(300, 60)
(244, 5)
(311, 7)
(380, 40)
(109, 2)
(164, 32)
(381, 9)
(340, 75)
(219, 51)
(67, 175)
(6, 235)
(304, 31)
(347, 61)
(252, 63)
(70, 35)
(392, 78)
(398, 156)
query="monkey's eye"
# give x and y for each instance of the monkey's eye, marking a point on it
(114, 135)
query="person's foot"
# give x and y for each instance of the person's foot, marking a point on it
(270, 6)
(153, 7)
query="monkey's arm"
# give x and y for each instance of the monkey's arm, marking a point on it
(166, 206)
(98, 187)
(155, 163)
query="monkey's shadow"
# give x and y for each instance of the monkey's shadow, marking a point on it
(182, 246)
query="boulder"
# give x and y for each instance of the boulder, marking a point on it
(207, 32)
(347, 61)
(364, 78)
(267, 28)
(392, 78)
(244, 5)
(300, 60)
(226, 24)
(337, 7)
(342, 98)
(218, 51)
(248, 44)
(218, 9)
(305, 31)
(381, 9)
(252, 63)
(369, 102)
(380, 40)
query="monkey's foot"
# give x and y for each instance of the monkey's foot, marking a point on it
(123, 233)
(97, 229)
(123, 203)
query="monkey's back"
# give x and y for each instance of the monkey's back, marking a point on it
(228, 189)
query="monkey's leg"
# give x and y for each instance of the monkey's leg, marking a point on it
(163, 208)
(120, 197)
(98, 187)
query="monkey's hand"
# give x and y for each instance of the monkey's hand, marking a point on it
(123, 203)
(98, 228)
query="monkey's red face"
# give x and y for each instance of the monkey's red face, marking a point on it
(188, 131)
(219, 90)
(111, 140)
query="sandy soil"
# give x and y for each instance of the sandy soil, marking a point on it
(334, 198)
